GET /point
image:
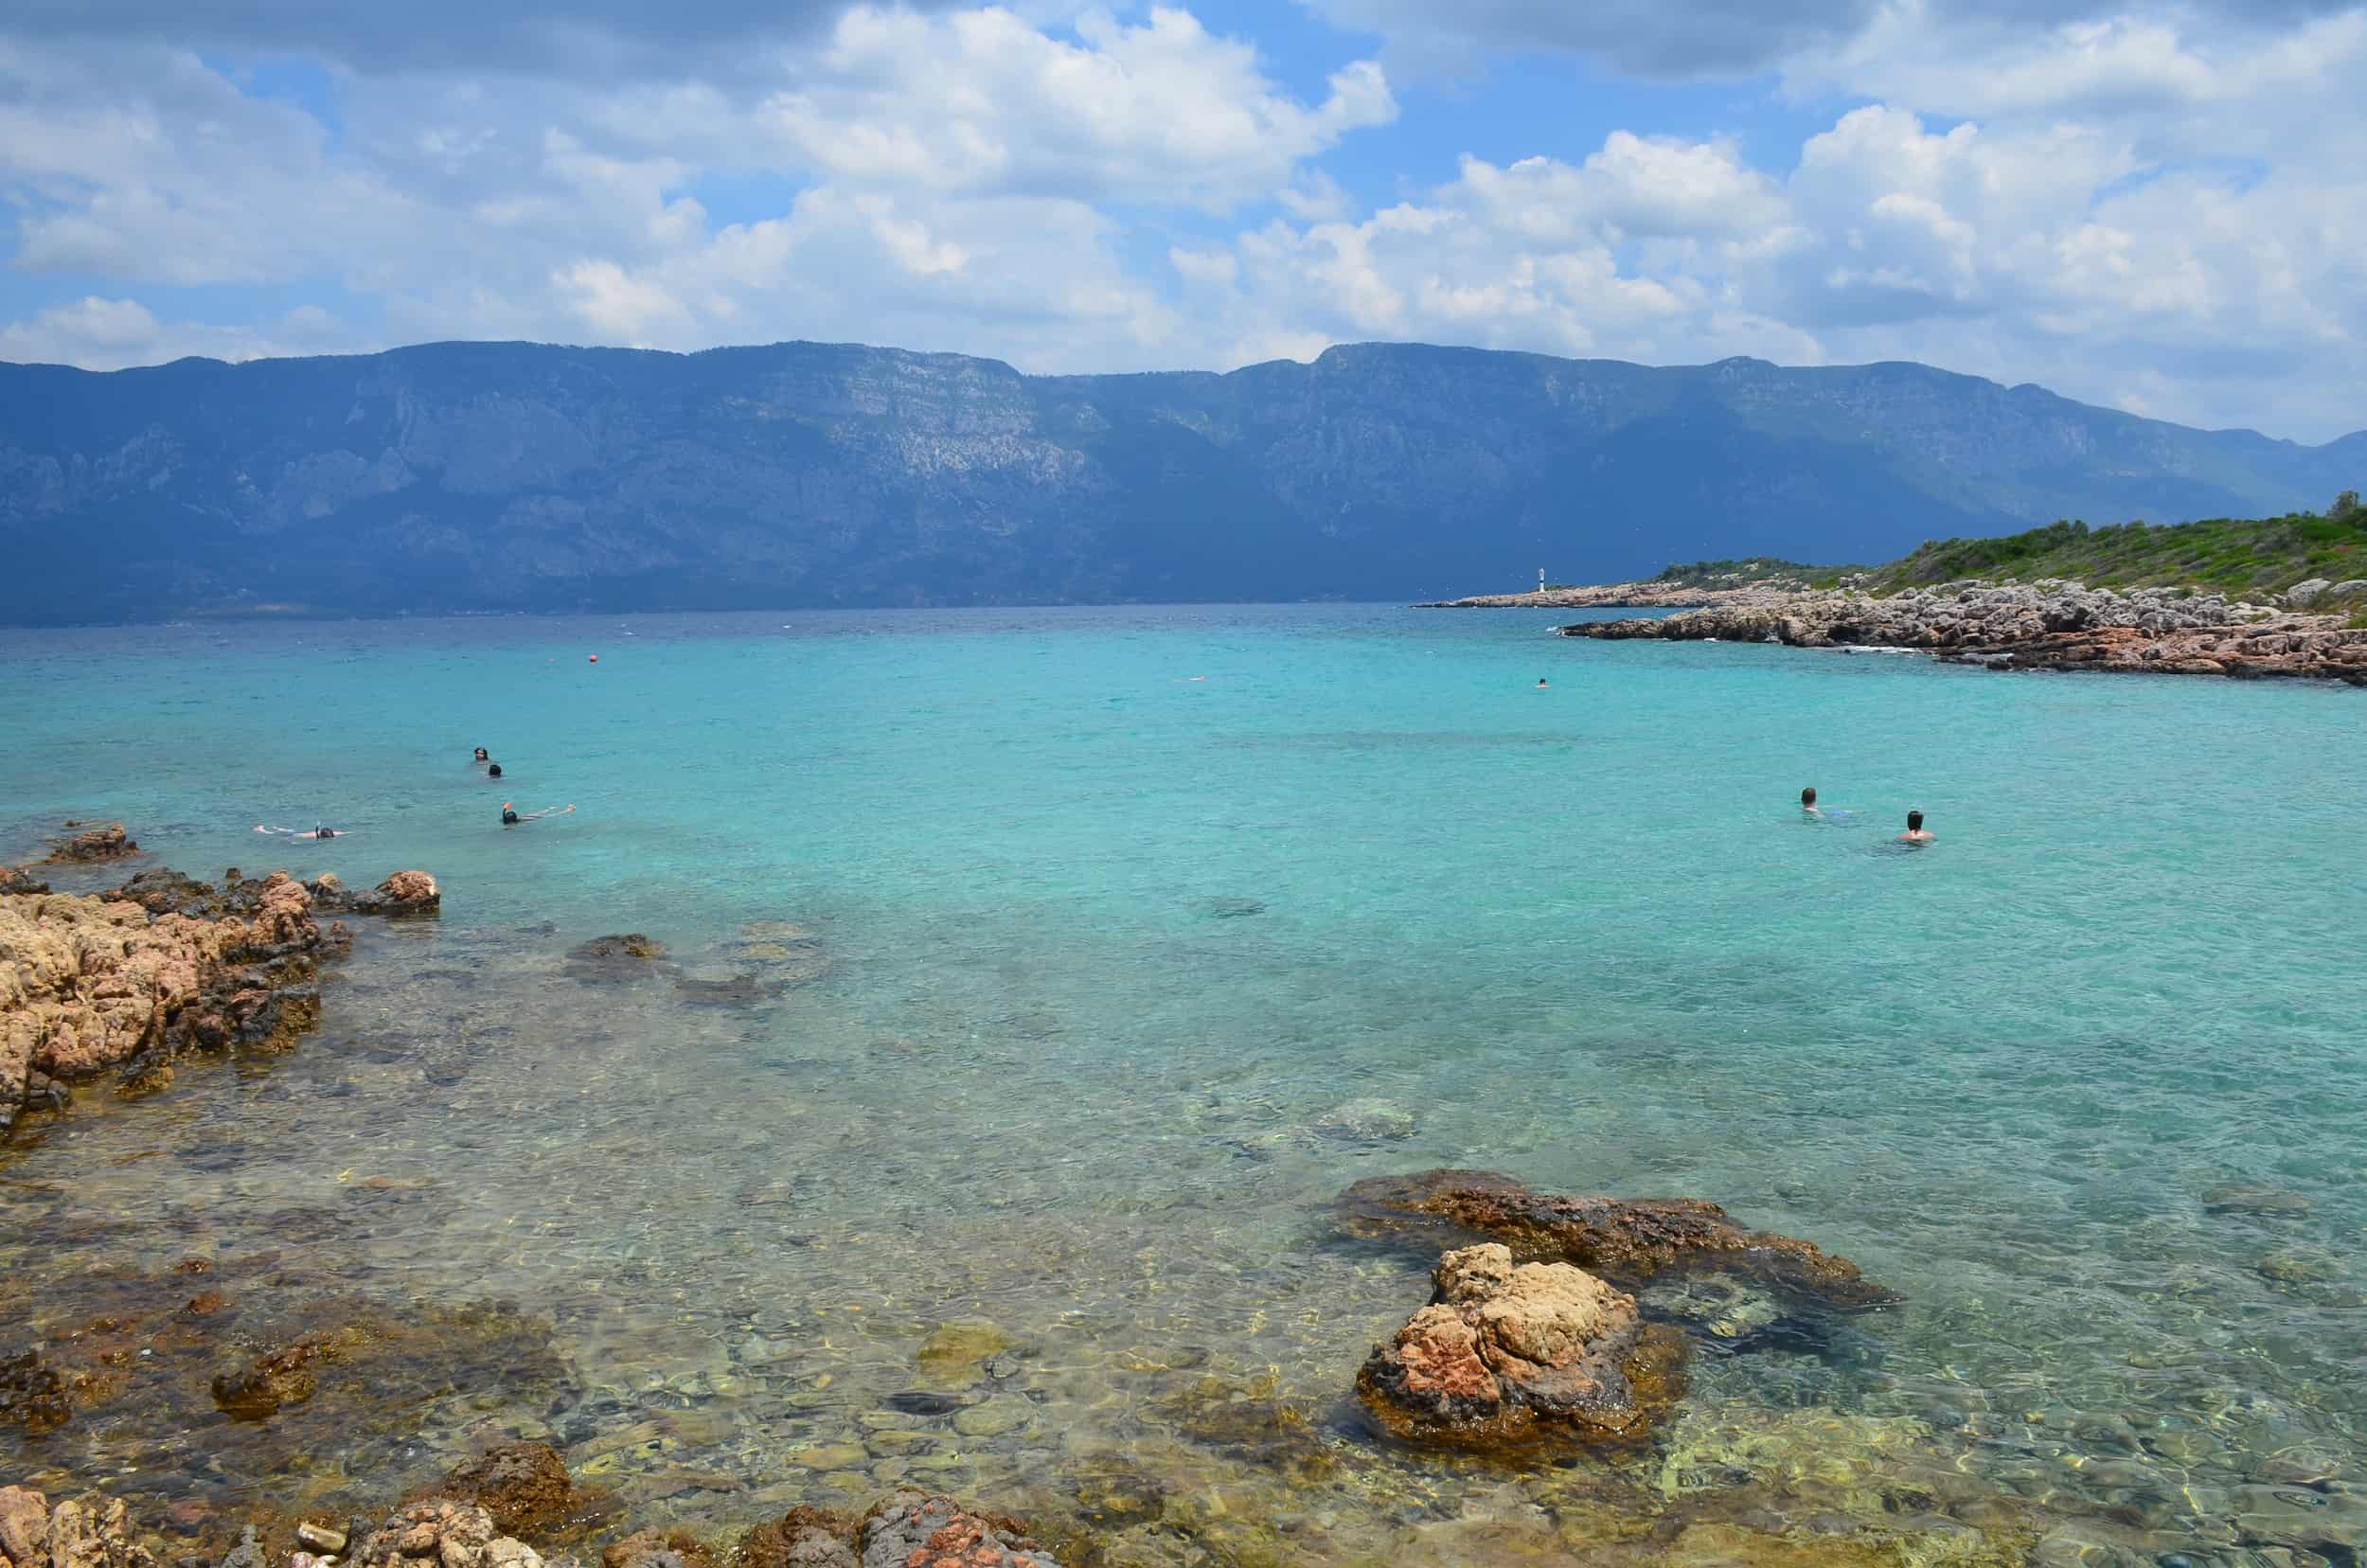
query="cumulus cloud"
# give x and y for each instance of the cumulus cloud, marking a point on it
(112, 334)
(2144, 205)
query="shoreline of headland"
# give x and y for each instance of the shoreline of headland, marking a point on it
(2049, 624)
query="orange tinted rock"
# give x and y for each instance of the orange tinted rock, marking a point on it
(1509, 1356)
(1629, 1240)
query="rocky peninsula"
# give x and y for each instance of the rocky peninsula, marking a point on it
(2050, 624)
(123, 983)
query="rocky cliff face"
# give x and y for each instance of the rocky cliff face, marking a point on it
(517, 476)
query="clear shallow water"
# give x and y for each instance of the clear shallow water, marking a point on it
(1107, 946)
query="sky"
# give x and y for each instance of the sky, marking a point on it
(2155, 207)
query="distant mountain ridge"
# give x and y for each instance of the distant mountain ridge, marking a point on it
(491, 476)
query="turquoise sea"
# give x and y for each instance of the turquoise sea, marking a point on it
(1054, 970)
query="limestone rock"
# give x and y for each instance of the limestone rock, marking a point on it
(24, 1527)
(660, 1549)
(911, 1531)
(441, 1532)
(89, 1532)
(805, 1537)
(106, 841)
(2048, 625)
(1506, 1355)
(522, 1485)
(1631, 1239)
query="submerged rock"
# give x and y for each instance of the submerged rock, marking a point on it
(631, 945)
(1368, 1121)
(1507, 1355)
(1629, 1240)
(2247, 1198)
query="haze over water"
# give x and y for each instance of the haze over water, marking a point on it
(1117, 916)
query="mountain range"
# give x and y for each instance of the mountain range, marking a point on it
(515, 476)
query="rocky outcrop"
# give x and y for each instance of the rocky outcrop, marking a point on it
(105, 842)
(88, 1532)
(911, 1531)
(1629, 1240)
(405, 893)
(2048, 625)
(442, 1532)
(1648, 595)
(121, 984)
(1509, 1355)
(20, 879)
(524, 1486)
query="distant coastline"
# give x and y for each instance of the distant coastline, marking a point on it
(2241, 599)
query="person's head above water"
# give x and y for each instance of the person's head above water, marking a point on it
(1915, 822)
(1540, 679)
(481, 755)
(492, 770)
(1807, 797)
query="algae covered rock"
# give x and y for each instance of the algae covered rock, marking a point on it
(522, 1485)
(103, 841)
(1509, 1355)
(1628, 1239)
(911, 1531)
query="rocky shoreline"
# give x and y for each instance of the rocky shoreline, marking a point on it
(2047, 625)
(1616, 596)
(1562, 1342)
(123, 983)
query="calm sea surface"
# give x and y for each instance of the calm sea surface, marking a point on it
(1052, 970)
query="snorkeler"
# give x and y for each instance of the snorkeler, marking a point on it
(511, 816)
(315, 833)
(1914, 833)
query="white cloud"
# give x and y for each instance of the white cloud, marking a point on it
(980, 100)
(2140, 205)
(110, 334)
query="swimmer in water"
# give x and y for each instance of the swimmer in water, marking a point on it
(1914, 833)
(1540, 682)
(481, 757)
(492, 770)
(1807, 801)
(291, 832)
(511, 817)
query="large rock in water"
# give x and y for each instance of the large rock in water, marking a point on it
(522, 1485)
(123, 983)
(1507, 1356)
(438, 1530)
(103, 843)
(1631, 1239)
(911, 1531)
